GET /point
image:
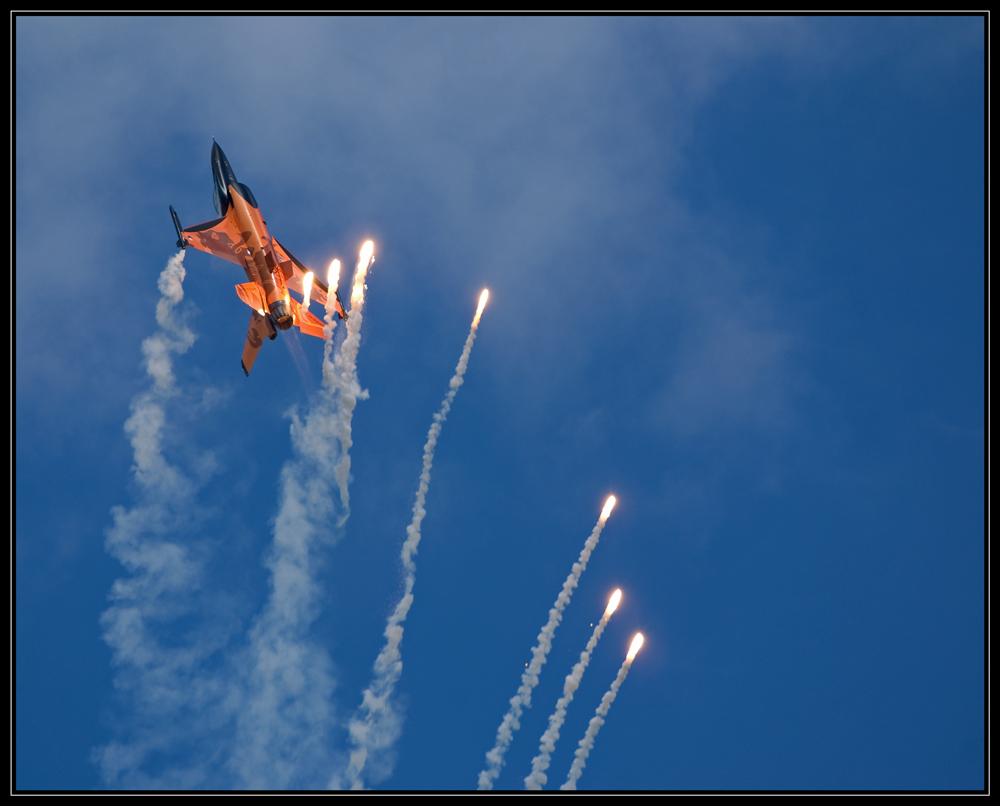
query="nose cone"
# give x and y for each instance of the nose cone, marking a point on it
(222, 178)
(221, 169)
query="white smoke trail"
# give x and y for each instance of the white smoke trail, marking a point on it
(167, 684)
(587, 742)
(379, 724)
(330, 323)
(283, 731)
(539, 653)
(283, 727)
(540, 763)
(174, 335)
(279, 699)
(343, 376)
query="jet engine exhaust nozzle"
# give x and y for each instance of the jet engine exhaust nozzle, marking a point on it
(282, 316)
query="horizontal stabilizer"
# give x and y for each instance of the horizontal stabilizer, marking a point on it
(305, 321)
(250, 294)
(259, 329)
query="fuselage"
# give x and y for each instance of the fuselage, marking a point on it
(235, 199)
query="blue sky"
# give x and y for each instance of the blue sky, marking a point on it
(737, 279)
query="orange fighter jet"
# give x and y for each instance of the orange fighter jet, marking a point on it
(241, 236)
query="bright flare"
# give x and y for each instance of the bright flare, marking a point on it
(333, 276)
(364, 262)
(608, 506)
(636, 644)
(616, 597)
(482, 304)
(307, 287)
(367, 250)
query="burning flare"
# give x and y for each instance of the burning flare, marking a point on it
(616, 597)
(608, 506)
(365, 260)
(307, 287)
(333, 277)
(636, 645)
(482, 304)
(367, 250)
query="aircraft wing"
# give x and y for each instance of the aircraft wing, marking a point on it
(294, 270)
(219, 237)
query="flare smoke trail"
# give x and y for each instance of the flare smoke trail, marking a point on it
(539, 653)
(343, 375)
(379, 724)
(283, 731)
(283, 727)
(587, 742)
(165, 683)
(279, 702)
(540, 763)
(330, 320)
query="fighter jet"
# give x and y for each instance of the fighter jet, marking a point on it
(240, 236)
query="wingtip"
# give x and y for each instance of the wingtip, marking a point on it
(245, 370)
(181, 240)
